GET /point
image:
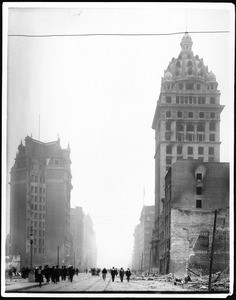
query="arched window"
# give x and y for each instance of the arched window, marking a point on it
(190, 71)
(179, 114)
(168, 114)
(180, 127)
(190, 127)
(178, 64)
(190, 114)
(201, 115)
(190, 132)
(200, 127)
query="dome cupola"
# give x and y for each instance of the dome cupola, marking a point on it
(186, 43)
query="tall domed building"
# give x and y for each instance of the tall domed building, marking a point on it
(186, 122)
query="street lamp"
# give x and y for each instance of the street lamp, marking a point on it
(31, 272)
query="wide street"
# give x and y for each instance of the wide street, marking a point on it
(88, 283)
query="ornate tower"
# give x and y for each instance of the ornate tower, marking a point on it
(186, 122)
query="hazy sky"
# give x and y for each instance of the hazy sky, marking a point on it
(99, 94)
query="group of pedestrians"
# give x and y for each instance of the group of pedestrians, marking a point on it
(53, 274)
(114, 272)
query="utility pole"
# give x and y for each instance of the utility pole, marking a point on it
(212, 252)
(58, 256)
(142, 264)
(31, 277)
(74, 259)
(150, 260)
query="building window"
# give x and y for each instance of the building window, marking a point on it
(36, 198)
(190, 158)
(180, 137)
(199, 190)
(168, 149)
(212, 115)
(212, 100)
(179, 149)
(189, 86)
(32, 206)
(168, 99)
(198, 86)
(190, 150)
(190, 137)
(168, 160)
(181, 86)
(201, 159)
(168, 114)
(167, 136)
(35, 215)
(179, 157)
(180, 127)
(179, 114)
(211, 159)
(200, 150)
(200, 137)
(198, 203)
(212, 137)
(190, 114)
(35, 250)
(201, 115)
(168, 126)
(199, 176)
(211, 151)
(35, 223)
(212, 126)
(177, 99)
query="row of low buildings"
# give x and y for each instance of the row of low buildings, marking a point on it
(191, 184)
(40, 210)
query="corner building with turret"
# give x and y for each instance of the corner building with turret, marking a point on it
(186, 123)
(40, 189)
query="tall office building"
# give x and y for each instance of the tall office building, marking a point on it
(186, 122)
(40, 189)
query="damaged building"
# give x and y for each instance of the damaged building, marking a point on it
(187, 128)
(193, 191)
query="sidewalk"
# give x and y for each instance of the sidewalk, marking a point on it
(17, 284)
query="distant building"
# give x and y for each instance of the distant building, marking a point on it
(193, 191)
(40, 188)
(142, 239)
(186, 123)
(77, 232)
(90, 249)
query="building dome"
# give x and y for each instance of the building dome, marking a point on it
(187, 65)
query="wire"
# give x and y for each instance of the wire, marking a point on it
(112, 34)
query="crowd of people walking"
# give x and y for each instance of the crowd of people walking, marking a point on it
(54, 274)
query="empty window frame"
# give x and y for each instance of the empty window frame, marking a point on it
(199, 176)
(198, 203)
(199, 190)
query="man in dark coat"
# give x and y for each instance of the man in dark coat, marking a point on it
(122, 273)
(104, 273)
(71, 272)
(113, 273)
(128, 274)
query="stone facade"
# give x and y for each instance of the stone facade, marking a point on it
(40, 189)
(186, 123)
(194, 190)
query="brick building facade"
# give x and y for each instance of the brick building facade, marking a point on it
(193, 191)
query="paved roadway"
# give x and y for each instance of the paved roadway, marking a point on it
(88, 284)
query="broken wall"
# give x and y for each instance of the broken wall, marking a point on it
(191, 241)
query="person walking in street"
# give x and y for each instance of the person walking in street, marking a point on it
(40, 276)
(104, 273)
(121, 273)
(113, 273)
(71, 272)
(128, 274)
